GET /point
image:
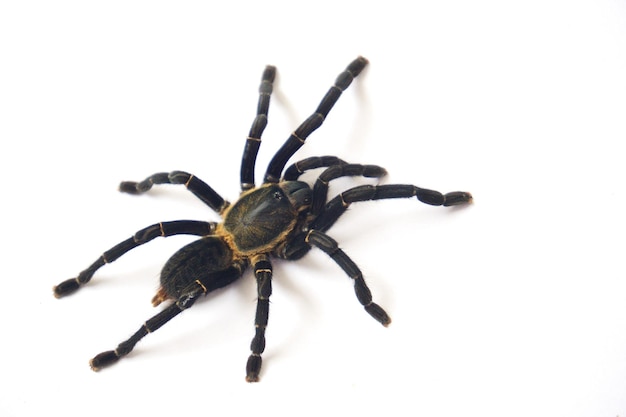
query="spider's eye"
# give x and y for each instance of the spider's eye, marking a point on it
(278, 196)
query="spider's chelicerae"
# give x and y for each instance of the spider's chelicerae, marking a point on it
(282, 218)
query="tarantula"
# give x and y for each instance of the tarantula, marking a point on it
(282, 218)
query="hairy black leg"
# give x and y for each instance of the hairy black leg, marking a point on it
(297, 138)
(187, 298)
(293, 172)
(263, 274)
(297, 247)
(363, 293)
(165, 229)
(185, 301)
(338, 205)
(320, 189)
(194, 184)
(253, 142)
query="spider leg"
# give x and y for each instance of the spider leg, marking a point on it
(363, 293)
(297, 247)
(263, 274)
(186, 300)
(320, 189)
(296, 169)
(109, 357)
(253, 142)
(338, 205)
(165, 229)
(297, 138)
(194, 184)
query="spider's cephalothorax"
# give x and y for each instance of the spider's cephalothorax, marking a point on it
(282, 218)
(263, 217)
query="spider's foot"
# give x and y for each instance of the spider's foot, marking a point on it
(457, 197)
(132, 187)
(435, 198)
(66, 287)
(253, 368)
(103, 359)
(378, 313)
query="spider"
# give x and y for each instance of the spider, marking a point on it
(282, 218)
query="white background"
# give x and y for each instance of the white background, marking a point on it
(514, 306)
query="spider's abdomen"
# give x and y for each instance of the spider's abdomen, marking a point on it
(263, 217)
(208, 259)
